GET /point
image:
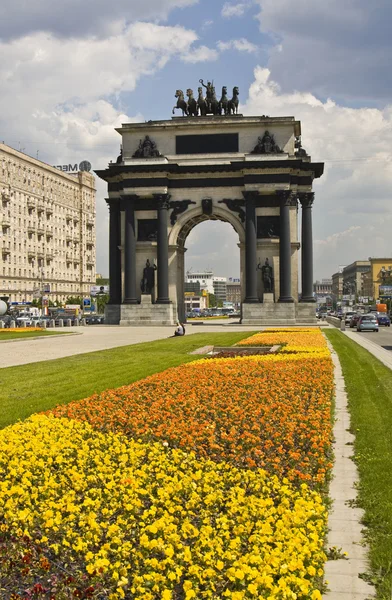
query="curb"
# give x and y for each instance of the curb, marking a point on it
(344, 522)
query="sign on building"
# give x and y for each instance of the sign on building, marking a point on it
(96, 290)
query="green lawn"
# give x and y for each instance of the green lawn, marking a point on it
(369, 389)
(14, 335)
(31, 388)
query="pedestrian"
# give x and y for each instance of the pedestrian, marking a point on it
(180, 330)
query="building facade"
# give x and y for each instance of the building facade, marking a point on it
(353, 278)
(323, 287)
(172, 175)
(377, 282)
(233, 291)
(337, 285)
(219, 284)
(48, 240)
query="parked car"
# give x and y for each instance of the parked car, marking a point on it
(354, 320)
(95, 320)
(347, 316)
(28, 321)
(383, 319)
(367, 322)
(6, 320)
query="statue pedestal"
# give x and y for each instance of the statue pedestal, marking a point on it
(268, 298)
(145, 299)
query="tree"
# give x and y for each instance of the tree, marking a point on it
(101, 301)
(74, 300)
(211, 300)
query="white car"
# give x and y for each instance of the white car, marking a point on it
(26, 320)
(347, 317)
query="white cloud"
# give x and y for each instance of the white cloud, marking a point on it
(234, 10)
(80, 19)
(200, 54)
(242, 45)
(352, 203)
(63, 95)
(332, 48)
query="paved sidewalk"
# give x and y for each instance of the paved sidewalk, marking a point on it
(91, 339)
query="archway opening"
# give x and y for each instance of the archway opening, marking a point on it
(212, 268)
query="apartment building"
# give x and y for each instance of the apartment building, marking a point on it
(47, 229)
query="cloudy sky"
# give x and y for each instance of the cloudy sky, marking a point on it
(71, 71)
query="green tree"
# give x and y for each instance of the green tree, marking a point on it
(211, 300)
(74, 300)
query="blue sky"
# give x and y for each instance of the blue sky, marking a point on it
(74, 71)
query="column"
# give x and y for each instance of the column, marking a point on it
(286, 197)
(114, 252)
(250, 248)
(163, 248)
(306, 200)
(130, 252)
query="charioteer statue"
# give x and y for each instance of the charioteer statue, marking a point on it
(208, 105)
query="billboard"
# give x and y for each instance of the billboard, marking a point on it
(385, 290)
(96, 290)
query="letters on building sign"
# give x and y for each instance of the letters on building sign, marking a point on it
(67, 168)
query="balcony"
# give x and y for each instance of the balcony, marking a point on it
(40, 230)
(31, 229)
(5, 222)
(5, 196)
(76, 239)
(69, 257)
(40, 207)
(6, 248)
(89, 243)
(40, 254)
(90, 262)
(76, 260)
(49, 234)
(49, 255)
(90, 222)
(68, 238)
(49, 210)
(31, 254)
(31, 203)
(75, 219)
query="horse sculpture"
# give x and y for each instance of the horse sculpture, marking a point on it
(181, 103)
(233, 103)
(224, 102)
(192, 104)
(201, 102)
(214, 103)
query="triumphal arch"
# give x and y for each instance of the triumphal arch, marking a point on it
(210, 163)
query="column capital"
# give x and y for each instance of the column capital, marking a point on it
(306, 199)
(287, 197)
(250, 195)
(113, 203)
(162, 200)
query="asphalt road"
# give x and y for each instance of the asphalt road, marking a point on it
(383, 338)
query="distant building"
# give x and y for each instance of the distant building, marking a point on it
(195, 301)
(48, 229)
(377, 282)
(192, 286)
(353, 278)
(337, 285)
(210, 283)
(219, 285)
(323, 287)
(233, 291)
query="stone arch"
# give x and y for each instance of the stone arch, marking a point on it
(178, 235)
(188, 220)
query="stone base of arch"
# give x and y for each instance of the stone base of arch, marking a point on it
(280, 314)
(144, 314)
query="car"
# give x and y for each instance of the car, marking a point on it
(383, 319)
(24, 321)
(367, 322)
(354, 320)
(347, 317)
(6, 319)
(95, 320)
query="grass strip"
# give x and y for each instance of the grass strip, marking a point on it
(31, 388)
(14, 335)
(369, 391)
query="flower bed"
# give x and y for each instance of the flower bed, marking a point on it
(20, 329)
(148, 522)
(199, 482)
